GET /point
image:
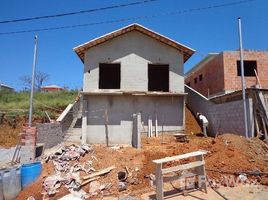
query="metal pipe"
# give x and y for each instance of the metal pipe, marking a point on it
(242, 77)
(33, 79)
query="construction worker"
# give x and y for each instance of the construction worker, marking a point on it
(203, 120)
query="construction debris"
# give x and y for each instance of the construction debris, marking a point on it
(99, 173)
(122, 186)
(67, 167)
(222, 161)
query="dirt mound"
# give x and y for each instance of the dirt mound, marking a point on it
(227, 152)
(191, 125)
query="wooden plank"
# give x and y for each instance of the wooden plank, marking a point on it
(175, 178)
(179, 157)
(183, 167)
(159, 182)
(99, 173)
(256, 74)
(255, 118)
(264, 128)
(89, 180)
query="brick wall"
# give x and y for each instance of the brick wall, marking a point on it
(212, 77)
(220, 73)
(232, 81)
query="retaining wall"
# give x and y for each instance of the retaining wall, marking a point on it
(225, 117)
(50, 134)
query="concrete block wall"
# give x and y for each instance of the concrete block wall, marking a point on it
(134, 51)
(49, 133)
(120, 110)
(227, 117)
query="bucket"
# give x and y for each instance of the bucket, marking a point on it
(10, 182)
(30, 172)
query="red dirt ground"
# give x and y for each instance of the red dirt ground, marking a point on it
(228, 152)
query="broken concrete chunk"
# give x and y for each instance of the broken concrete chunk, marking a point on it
(134, 181)
(75, 195)
(242, 177)
(52, 183)
(106, 186)
(94, 187)
(30, 198)
(122, 186)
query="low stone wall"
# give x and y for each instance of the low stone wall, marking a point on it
(50, 134)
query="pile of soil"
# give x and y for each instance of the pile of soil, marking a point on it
(191, 125)
(227, 152)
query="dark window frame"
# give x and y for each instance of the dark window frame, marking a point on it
(195, 80)
(158, 77)
(200, 77)
(109, 75)
(249, 66)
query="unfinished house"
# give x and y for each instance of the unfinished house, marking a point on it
(131, 70)
(219, 73)
(214, 87)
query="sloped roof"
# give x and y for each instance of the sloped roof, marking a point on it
(52, 86)
(186, 51)
(6, 86)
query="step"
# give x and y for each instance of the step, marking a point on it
(76, 131)
(73, 138)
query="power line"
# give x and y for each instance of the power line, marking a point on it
(131, 18)
(77, 12)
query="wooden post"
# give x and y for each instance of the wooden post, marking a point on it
(256, 122)
(201, 172)
(264, 128)
(106, 127)
(183, 113)
(138, 130)
(150, 131)
(258, 80)
(156, 126)
(159, 182)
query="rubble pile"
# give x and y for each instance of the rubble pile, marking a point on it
(67, 171)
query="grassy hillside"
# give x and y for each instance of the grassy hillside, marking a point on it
(17, 103)
(14, 112)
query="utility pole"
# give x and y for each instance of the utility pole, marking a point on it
(33, 79)
(242, 77)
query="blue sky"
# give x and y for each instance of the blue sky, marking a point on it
(207, 30)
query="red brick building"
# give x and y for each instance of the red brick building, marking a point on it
(219, 73)
(51, 88)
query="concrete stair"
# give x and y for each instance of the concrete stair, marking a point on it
(73, 135)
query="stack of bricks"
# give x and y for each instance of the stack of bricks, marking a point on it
(28, 144)
(28, 136)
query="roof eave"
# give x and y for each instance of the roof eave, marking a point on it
(185, 50)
